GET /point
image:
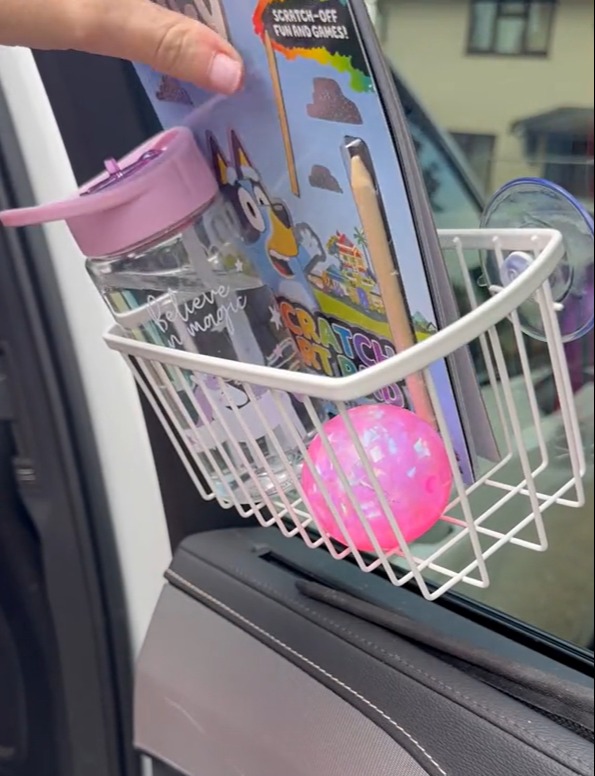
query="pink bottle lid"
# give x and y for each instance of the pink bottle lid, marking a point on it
(156, 186)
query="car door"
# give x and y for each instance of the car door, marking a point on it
(72, 445)
(259, 656)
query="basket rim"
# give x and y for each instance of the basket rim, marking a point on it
(545, 245)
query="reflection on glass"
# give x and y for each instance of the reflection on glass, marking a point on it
(514, 28)
(508, 93)
(509, 35)
(483, 25)
(538, 27)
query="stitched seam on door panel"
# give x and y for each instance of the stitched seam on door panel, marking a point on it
(307, 661)
(317, 617)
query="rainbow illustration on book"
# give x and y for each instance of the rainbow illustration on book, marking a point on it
(320, 32)
(314, 30)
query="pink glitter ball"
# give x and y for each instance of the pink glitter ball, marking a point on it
(411, 466)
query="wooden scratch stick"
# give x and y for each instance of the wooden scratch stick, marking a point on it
(280, 103)
(397, 316)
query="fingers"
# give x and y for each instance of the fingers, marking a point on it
(169, 42)
(138, 30)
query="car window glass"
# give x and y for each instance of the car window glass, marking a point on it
(495, 91)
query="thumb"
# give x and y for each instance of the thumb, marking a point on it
(170, 43)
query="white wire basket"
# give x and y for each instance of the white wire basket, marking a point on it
(540, 462)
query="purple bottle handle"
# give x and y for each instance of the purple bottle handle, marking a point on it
(159, 184)
(99, 196)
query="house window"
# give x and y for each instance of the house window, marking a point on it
(479, 152)
(519, 27)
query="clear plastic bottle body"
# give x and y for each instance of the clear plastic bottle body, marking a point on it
(193, 289)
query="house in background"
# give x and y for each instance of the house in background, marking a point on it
(512, 81)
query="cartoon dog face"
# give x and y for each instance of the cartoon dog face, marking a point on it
(265, 223)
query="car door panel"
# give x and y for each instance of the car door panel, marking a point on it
(239, 667)
(221, 711)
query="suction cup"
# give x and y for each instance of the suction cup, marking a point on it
(532, 202)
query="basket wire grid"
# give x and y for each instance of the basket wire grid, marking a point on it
(523, 482)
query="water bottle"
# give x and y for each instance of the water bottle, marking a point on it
(165, 254)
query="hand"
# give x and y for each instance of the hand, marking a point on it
(138, 30)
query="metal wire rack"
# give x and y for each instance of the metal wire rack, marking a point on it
(253, 463)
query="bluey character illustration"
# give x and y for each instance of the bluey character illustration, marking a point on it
(267, 228)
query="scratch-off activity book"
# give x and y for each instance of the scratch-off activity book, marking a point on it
(308, 159)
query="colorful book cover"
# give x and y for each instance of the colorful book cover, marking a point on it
(281, 150)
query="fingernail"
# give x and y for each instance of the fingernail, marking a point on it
(225, 74)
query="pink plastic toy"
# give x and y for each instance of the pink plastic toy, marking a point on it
(409, 461)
